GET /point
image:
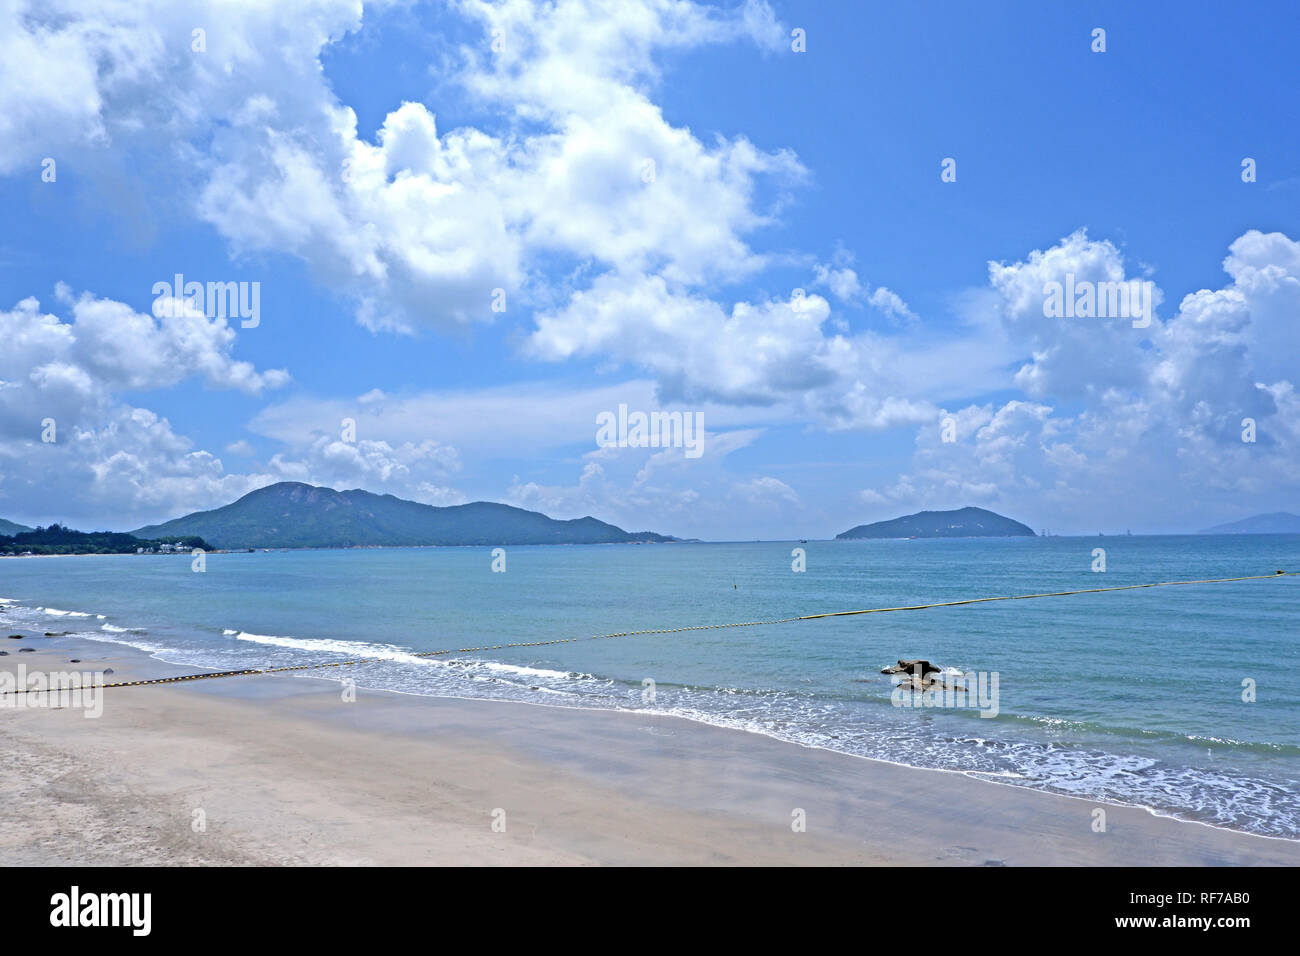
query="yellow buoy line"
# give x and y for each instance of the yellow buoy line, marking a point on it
(211, 675)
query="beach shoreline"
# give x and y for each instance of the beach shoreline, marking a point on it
(284, 770)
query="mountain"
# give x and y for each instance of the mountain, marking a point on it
(9, 528)
(294, 515)
(962, 523)
(1279, 522)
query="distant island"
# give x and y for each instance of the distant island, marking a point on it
(9, 528)
(291, 514)
(962, 523)
(1278, 522)
(57, 539)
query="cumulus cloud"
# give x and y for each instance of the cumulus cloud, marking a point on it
(410, 468)
(1074, 357)
(419, 226)
(765, 491)
(65, 380)
(1169, 414)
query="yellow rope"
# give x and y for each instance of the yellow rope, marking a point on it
(666, 630)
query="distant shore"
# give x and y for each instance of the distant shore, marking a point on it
(282, 770)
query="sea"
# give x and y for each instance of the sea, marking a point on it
(1184, 699)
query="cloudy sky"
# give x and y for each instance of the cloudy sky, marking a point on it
(476, 225)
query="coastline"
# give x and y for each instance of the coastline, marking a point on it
(286, 772)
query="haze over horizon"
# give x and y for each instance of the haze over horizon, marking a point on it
(476, 227)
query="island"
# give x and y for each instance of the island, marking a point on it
(291, 514)
(1278, 522)
(962, 523)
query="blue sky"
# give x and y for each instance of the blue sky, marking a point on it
(381, 171)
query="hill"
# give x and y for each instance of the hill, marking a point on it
(962, 523)
(8, 528)
(291, 514)
(57, 539)
(1278, 522)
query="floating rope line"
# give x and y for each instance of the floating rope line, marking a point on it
(211, 675)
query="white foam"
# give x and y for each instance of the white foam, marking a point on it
(530, 671)
(320, 645)
(145, 646)
(57, 613)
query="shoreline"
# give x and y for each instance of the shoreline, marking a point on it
(590, 786)
(719, 724)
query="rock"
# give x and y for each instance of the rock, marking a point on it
(26, 650)
(56, 633)
(917, 667)
(4, 653)
(108, 670)
(15, 637)
(75, 660)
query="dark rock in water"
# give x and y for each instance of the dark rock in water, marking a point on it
(15, 637)
(995, 863)
(912, 682)
(916, 667)
(4, 653)
(56, 633)
(75, 660)
(26, 650)
(108, 670)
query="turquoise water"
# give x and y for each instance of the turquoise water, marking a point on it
(1132, 696)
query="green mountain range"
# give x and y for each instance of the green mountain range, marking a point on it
(1279, 522)
(295, 515)
(962, 523)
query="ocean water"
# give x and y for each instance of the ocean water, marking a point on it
(1132, 697)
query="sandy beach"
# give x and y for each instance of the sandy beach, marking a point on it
(284, 771)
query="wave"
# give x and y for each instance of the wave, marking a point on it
(149, 647)
(320, 645)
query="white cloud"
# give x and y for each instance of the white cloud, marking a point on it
(1157, 440)
(410, 469)
(765, 491)
(108, 455)
(1071, 357)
